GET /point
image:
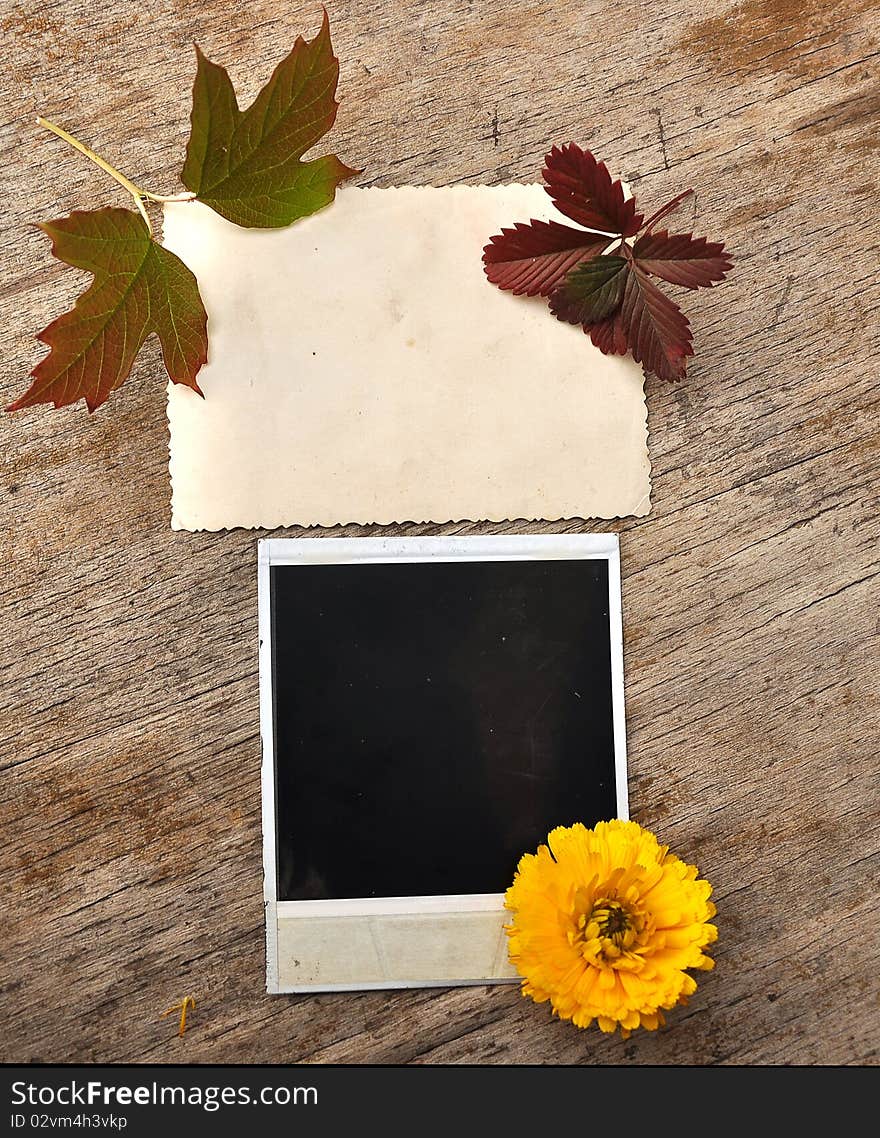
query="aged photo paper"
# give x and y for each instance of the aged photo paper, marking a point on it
(362, 369)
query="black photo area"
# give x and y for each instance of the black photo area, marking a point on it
(433, 721)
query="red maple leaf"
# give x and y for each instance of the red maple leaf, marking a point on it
(602, 279)
(139, 289)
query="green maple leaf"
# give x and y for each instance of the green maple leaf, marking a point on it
(139, 288)
(247, 165)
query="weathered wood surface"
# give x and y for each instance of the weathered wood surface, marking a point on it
(128, 708)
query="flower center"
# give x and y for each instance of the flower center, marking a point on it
(608, 930)
(613, 923)
(613, 920)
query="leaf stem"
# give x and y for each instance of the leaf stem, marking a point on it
(665, 210)
(136, 192)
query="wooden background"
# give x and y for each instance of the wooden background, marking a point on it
(131, 850)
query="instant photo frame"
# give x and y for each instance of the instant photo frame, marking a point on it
(429, 708)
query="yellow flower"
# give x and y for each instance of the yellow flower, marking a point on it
(605, 923)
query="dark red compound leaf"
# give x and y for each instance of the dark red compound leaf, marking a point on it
(657, 332)
(611, 295)
(591, 292)
(531, 259)
(583, 190)
(682, 259)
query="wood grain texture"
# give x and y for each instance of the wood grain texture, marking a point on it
(131, 858)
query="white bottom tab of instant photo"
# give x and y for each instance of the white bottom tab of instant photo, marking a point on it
(430, 708)
(362, 369)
